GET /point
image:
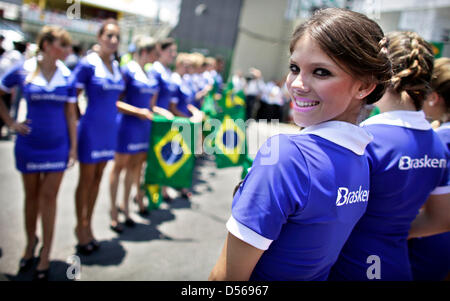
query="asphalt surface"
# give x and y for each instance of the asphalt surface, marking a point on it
(180, 241)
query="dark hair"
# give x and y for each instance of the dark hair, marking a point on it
(166, 43)
(412, 63)
(441, 79)
(356, 43)
(105, 23)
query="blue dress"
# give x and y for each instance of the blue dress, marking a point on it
(134, 133)
(167, 89)
(97, 129)
(46, 147)
(183, 94)
(430, 256)
(407, 162)
(301, 199)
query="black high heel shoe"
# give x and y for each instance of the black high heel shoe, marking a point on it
(95, 244)
(26, 264)
(41, 275)
(86, 249)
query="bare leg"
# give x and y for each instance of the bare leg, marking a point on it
(48, 192)
(92, 198)
(120, 161)
(85, 182)
(141, 157)
(31, 188)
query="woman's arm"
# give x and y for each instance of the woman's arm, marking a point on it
(142, 113)
(20, 128)
(71, 117)
(202, 93)
(236, 262)
(174, 110)
(159, 110)
(433, 218)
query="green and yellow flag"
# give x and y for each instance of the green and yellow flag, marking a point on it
(153, 192)
(230, 139)
(170, 158)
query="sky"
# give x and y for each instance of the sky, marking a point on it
(169, 9)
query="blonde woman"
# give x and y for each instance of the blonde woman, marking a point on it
(46, 142)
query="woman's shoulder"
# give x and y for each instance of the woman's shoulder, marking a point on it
(282, 149)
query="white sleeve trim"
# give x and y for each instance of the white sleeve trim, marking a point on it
(5, 88)
(441, 190)
(79, 85)
(247, 235)
(72, 99)
(174, 100)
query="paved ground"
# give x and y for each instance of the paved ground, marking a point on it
(180, 241)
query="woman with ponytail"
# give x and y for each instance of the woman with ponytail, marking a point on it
(46, 142)
(408, 165)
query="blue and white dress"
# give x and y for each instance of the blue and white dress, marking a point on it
(430, 256)
(134, 133)
(183, 95)
(301, 199)
(167, 88)
(97, 130)
(408, 162)
(46, 147)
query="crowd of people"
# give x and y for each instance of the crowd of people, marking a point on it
(115, 124)
(339, 192)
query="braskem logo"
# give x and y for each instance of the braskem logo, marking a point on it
(406, 163)
(344, 196)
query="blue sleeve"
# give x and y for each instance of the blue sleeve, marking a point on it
(276, 187)
(158, 78)
(72, 89)
(83, 73)
(444, 185)
(15, 76)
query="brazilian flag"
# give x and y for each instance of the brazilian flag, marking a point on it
(170, 158)
(209, 105)
(232, 100)
(230, 140)
(153, 192)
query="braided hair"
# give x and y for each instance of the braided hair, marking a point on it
(412, 64)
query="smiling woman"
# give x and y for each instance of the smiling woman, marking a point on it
(46, 142)
(313, 195)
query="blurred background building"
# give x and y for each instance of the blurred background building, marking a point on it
(247, 33)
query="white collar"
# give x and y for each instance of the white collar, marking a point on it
(136, 69)
(165, 72)
(341, 133)
(58, 79)
(176, 78)
(101, 70)
(408, 119)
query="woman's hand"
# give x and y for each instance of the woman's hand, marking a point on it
(72, 157)
(196, 117)
(21, 127)
(168, 115)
